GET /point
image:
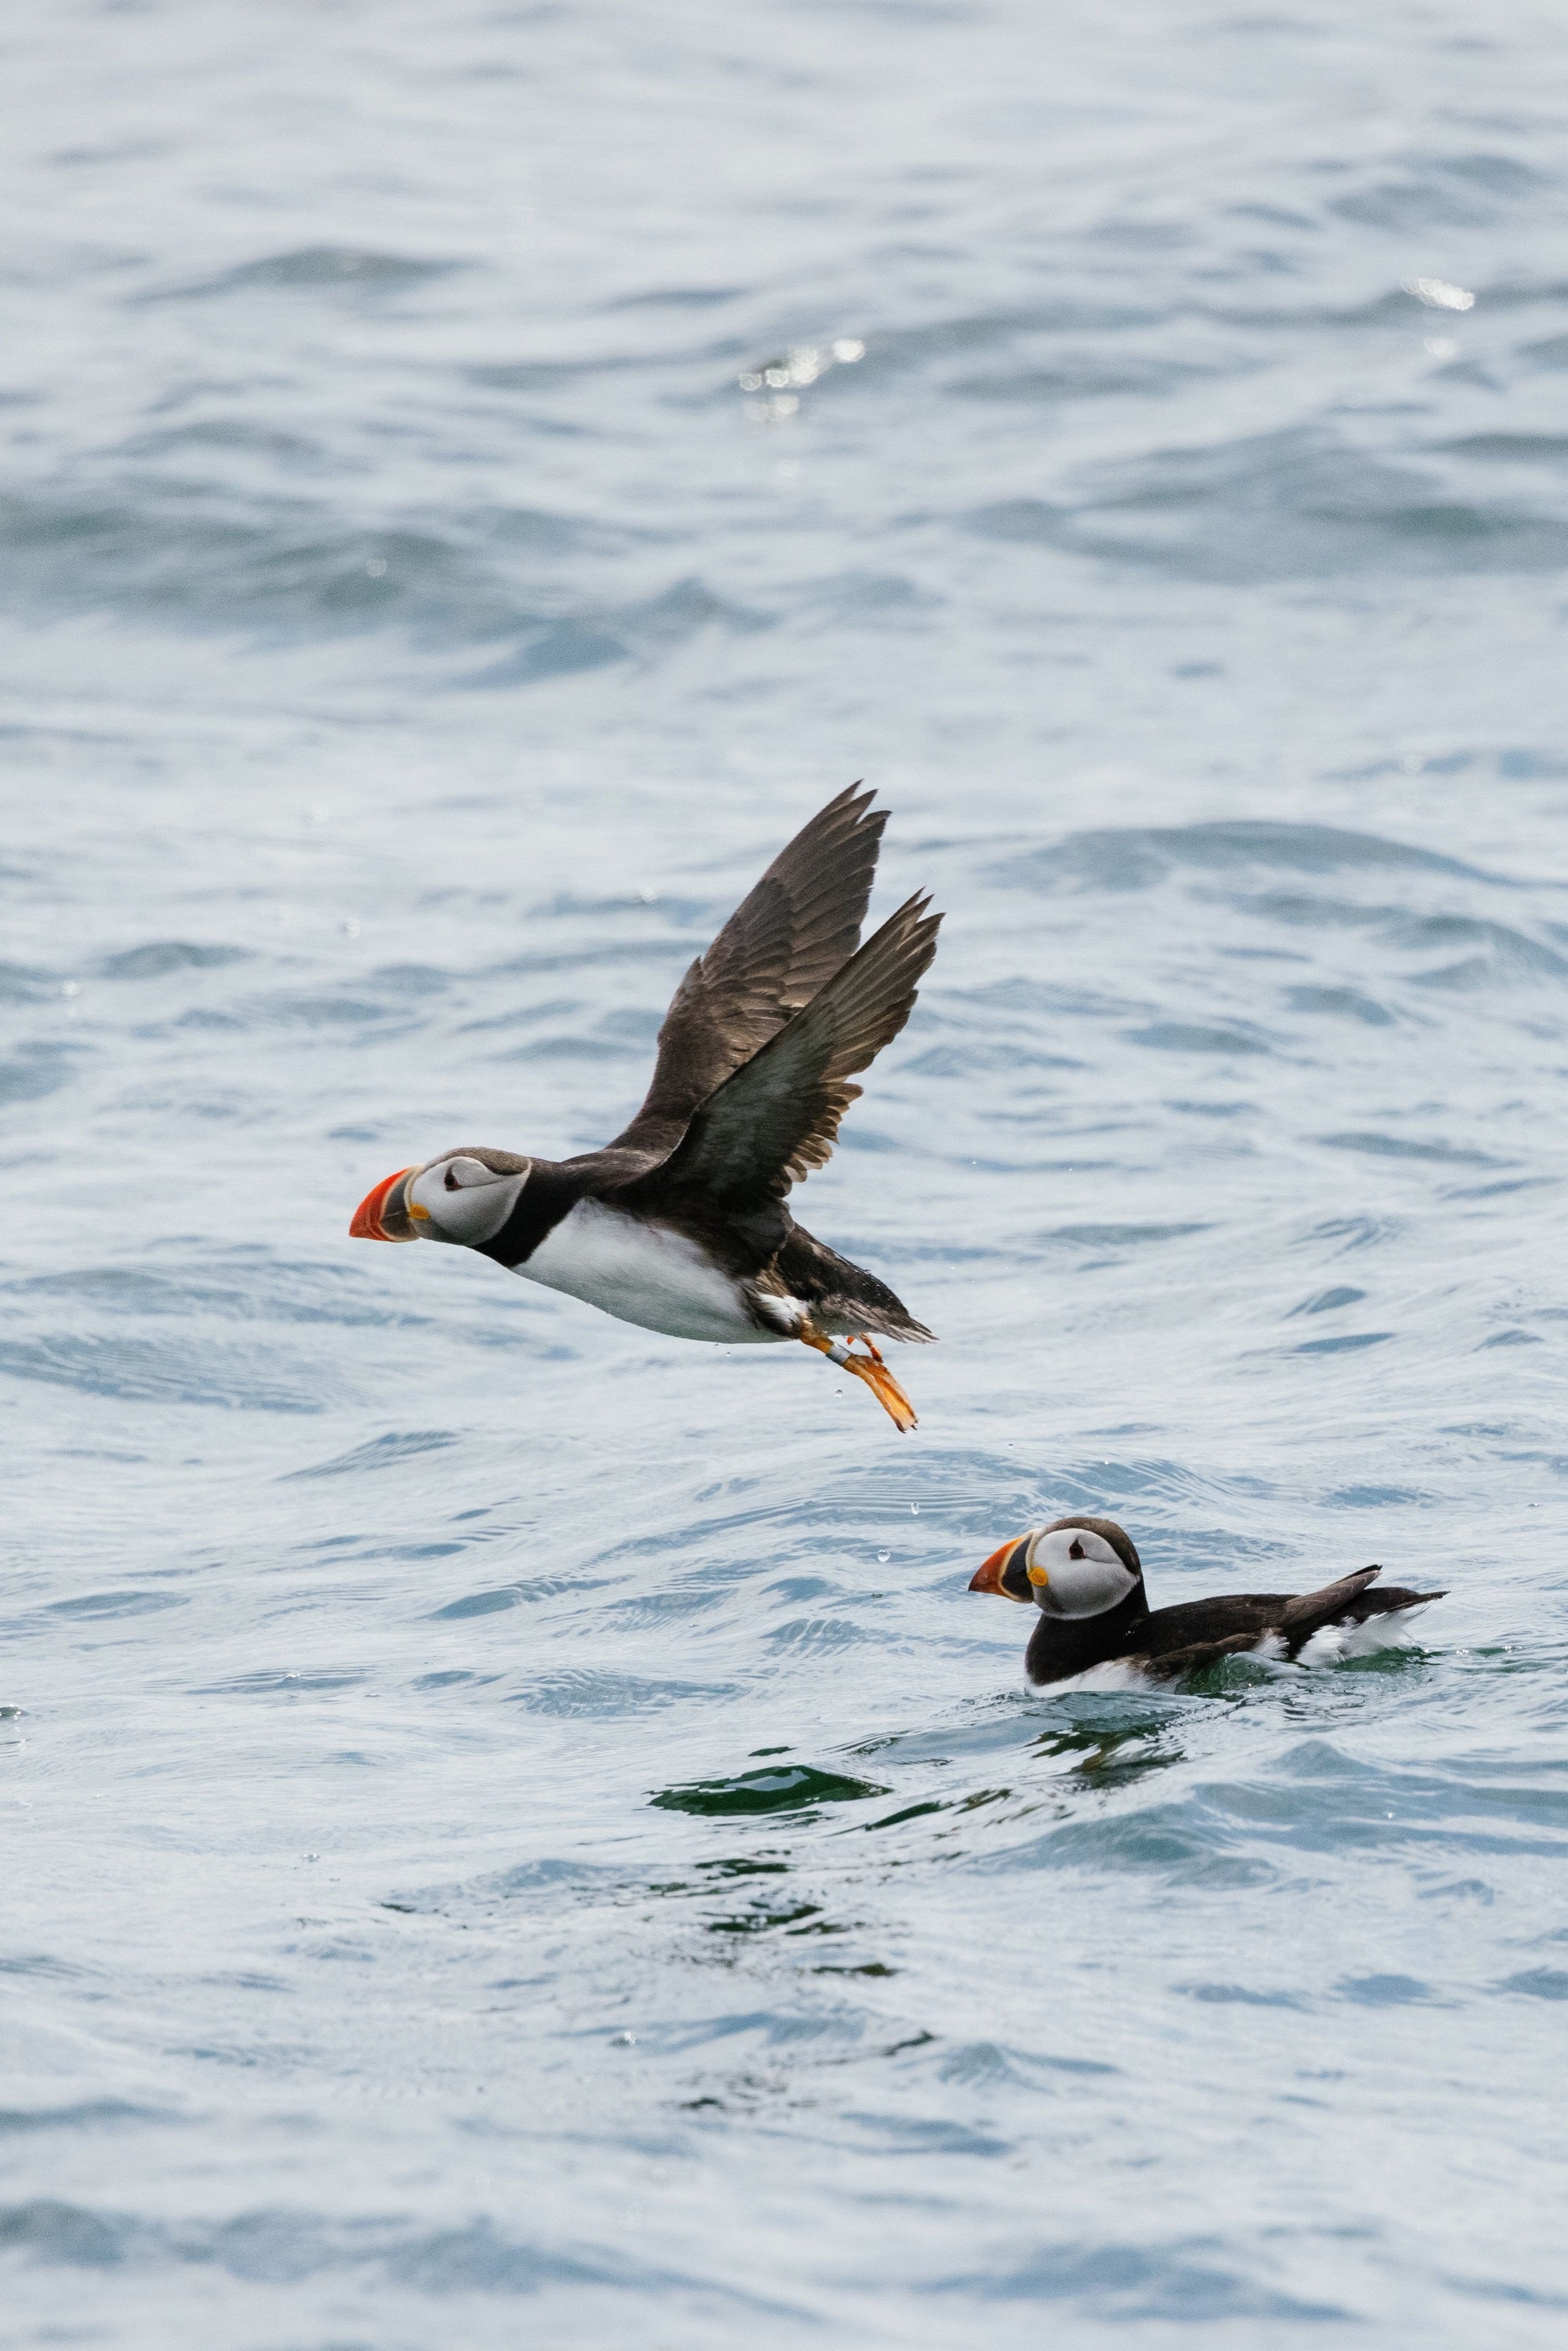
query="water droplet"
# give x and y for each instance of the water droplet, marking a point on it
(376, 566)
(883, 1557)
(915, 1509)
(846, 351)
(624, 2040)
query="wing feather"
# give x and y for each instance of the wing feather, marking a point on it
(1313, 1610)
(781, 946)
(1174, 1665)
(777, 1116)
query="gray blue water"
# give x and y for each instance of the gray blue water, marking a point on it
(515, 1830)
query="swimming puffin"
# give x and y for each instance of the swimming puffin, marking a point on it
(680, 1223)
(1085, 1578)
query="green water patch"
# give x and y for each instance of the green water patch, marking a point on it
(795, 1917)
(787, 1788)
(909, 1812)
(1108, 1759)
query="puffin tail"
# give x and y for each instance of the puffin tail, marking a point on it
(1351, 1601)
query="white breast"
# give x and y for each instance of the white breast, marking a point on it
(645, 1274)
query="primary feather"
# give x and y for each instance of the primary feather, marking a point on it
(777, 1116)
(783, 942)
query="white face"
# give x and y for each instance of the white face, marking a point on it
(460, 1199)
(1075, 1572)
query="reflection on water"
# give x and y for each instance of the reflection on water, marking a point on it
(787, 1788)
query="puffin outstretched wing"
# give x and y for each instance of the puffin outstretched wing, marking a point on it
(783, 942)
(777, 1116)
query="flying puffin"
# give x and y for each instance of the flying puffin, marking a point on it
(1086, 1580)
(680, 1224)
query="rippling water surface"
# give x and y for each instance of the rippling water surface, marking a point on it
(515, 1828)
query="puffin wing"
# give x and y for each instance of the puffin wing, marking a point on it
(779, 947)
(1294, 1620)
(1316, 1609)
(1174, 1665)
(778, 1117)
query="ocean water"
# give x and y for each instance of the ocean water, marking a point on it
(515, 1830)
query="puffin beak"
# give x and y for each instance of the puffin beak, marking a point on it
(381, 1214)
(988, 1578)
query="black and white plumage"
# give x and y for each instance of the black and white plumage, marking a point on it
(680, 1224)
(1085, 1579)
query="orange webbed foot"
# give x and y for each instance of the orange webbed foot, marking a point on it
(868, 1368)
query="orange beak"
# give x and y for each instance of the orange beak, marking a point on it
(988, 1578)
(367, 1224)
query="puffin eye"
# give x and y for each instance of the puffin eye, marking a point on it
(462, 1174)
(1075, 1550)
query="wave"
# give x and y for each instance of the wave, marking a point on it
(206, 556)
(336, 269)
(1301, 503)
(1135, 857)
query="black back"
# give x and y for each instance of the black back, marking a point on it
(1170, 1642)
